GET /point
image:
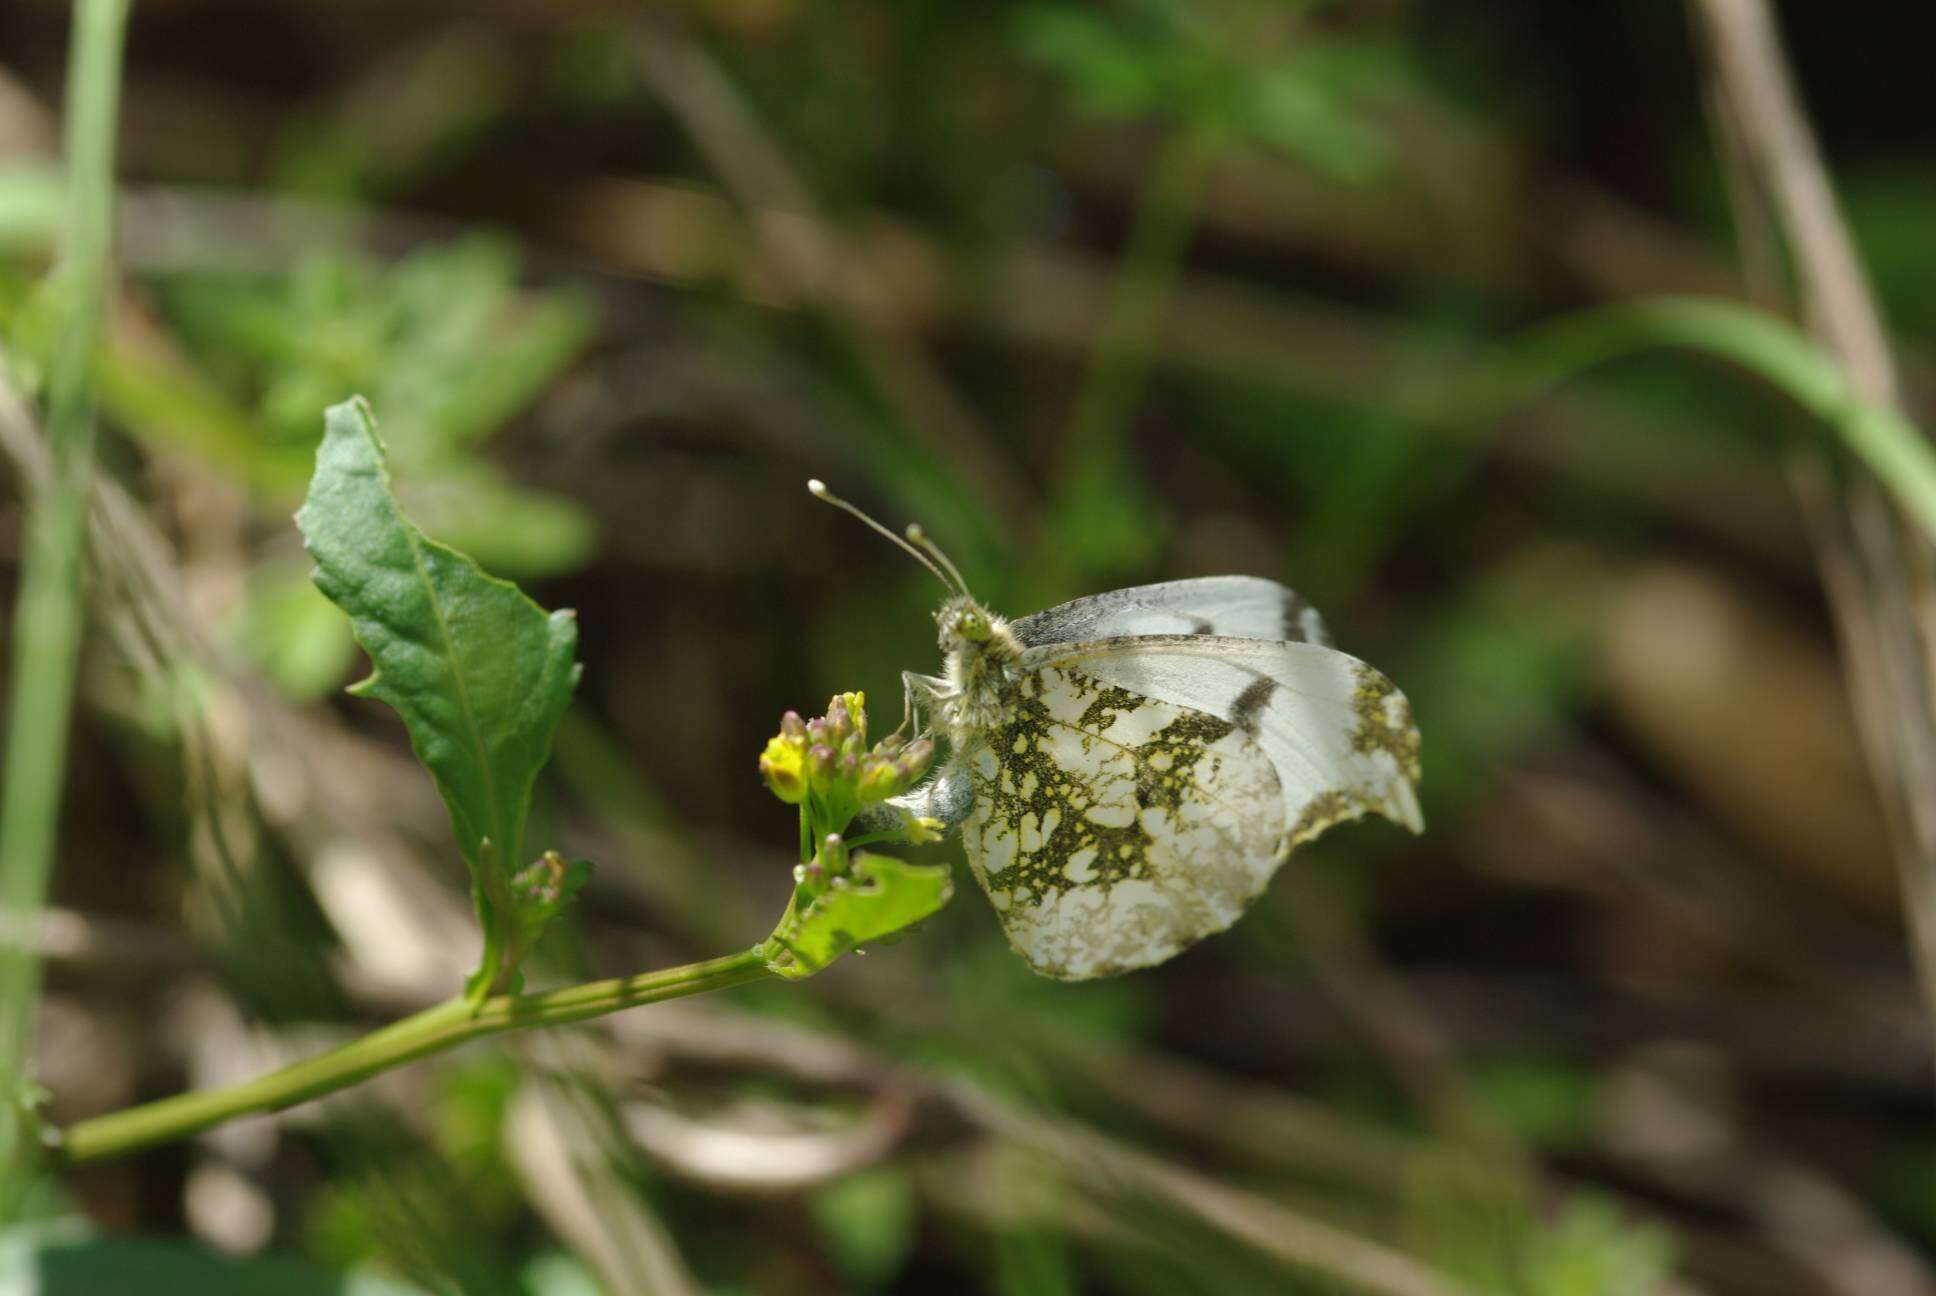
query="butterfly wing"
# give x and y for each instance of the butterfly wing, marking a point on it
(1242, 606)
(1112, 830)
(1339, 734)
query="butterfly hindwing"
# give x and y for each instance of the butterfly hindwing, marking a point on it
(1111, 829)
(1339, 734)
(1242, 606)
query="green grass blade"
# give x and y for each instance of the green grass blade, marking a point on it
(1893, 448)
(47, 616)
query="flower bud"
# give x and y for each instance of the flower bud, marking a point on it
(878, 779)
(840, 721)
(914, 761)
(855, 704)
(783, 766)
(821, 767)
(793, 728)
(890, 746)
(818, 733)
(830, 861)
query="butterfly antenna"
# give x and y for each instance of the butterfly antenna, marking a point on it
(818, 489)
(917, 536)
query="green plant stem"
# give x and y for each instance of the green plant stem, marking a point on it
(431, 1031)
(47, 615)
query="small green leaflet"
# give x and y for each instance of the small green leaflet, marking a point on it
(880, 897)
(538, 894)
(479, 673)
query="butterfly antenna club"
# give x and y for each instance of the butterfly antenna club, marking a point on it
(919, 537)
(818, 489)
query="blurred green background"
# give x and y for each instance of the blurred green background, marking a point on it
(1101, 294)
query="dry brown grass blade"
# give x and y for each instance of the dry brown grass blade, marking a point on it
(1104, 1166)
(1876, 571)
(1111, 1168)
(564, 1161)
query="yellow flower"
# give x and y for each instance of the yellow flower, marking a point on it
(784, 767)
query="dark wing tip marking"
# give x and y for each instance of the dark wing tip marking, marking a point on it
(1384, 721)
(1250, 704)
(1294, 608)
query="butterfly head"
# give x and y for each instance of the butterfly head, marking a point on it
(968, 627)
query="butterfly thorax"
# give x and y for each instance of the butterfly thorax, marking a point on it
(979, 654)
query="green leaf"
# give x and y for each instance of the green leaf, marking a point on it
(1591, 1250)
(479, 673)
(292, 632)
(868, 1221)
(63, 1259)
(173, 409)
(880, 897)
(558, 1274)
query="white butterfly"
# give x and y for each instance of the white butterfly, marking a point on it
(1129, 769)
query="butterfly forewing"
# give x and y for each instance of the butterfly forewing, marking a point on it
(1244, 606)
(1112, 829)
(1339, 734)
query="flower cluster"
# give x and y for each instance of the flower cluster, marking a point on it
(826, 767)
(829, 756)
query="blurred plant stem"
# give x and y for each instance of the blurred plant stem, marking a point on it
(1875, 570)
(1101, 515)
(433, 1030)
(47, 614)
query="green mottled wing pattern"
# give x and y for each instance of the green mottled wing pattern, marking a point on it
(1339, 734)
(1111, 830)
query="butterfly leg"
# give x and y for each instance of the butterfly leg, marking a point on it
(916, 689)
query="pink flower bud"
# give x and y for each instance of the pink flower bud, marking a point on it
(821, 770)
(914, 762)
(840, 723)
(878, 779)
